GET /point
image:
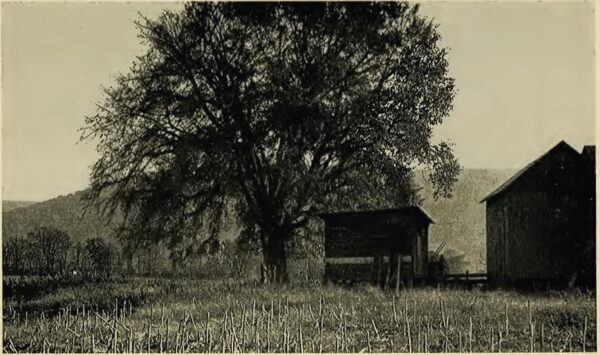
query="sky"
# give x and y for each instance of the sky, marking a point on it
(524, 73)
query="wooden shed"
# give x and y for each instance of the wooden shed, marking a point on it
(540, 223)
(376, 246)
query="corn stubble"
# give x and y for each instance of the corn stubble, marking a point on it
(316, 319)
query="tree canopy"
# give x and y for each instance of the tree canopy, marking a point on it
(279, 109)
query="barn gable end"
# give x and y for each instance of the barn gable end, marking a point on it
(538, 222)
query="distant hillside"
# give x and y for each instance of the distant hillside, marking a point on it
(460, 220)
(63, 212)
(66, 213)
(8, 205)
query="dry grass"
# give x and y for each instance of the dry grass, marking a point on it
(158, 315)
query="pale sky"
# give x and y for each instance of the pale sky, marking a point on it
(524, 73)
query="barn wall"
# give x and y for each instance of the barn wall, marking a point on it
(498, 238)
(493, 232)
(538, 235)
(528, 236)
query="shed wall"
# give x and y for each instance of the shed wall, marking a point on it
(385, 237)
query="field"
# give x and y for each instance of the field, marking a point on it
(183, 315)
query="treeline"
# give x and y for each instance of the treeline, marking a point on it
(51, 252)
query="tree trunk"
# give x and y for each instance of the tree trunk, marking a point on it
(274, 259)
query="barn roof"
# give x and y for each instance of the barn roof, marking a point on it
(515, 177)
(589, 152)
(403, 211)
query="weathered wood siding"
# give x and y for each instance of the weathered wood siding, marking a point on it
(528, 237)
(349, 236)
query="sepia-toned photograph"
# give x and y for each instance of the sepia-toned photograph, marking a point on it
(298, 177)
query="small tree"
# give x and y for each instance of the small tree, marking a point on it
(6, 258)
(51, 246)
(13, 255)
(99, 254)
(78, 253)
(32, 261)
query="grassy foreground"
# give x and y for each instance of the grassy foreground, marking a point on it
(171, 315)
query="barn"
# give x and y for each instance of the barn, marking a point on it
(540, 223)
(376, 246)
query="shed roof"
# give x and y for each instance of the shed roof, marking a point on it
(403, 211)
(515, 177)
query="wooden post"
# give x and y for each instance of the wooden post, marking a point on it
(379, 267)
(389, 272)
(411, 272)
(263, 273)
(398, 269)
